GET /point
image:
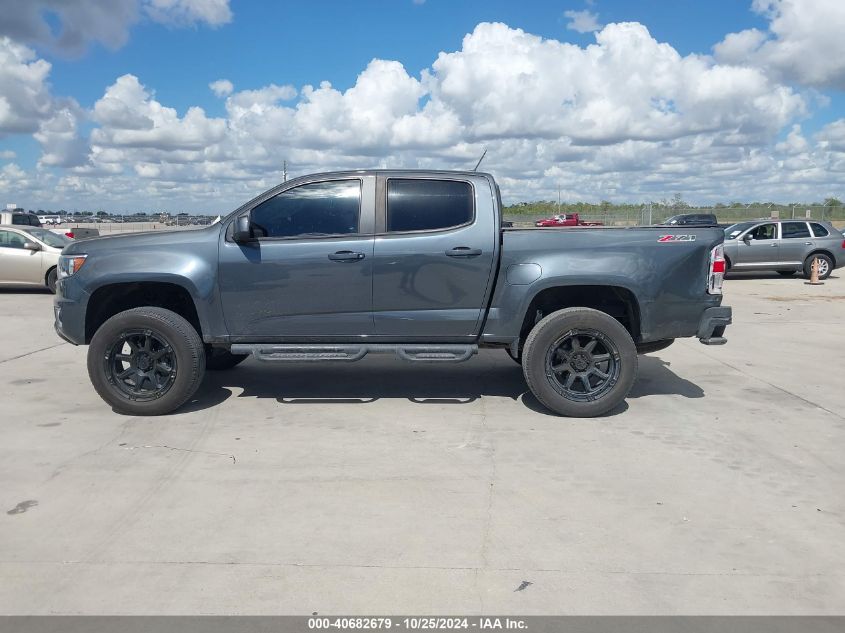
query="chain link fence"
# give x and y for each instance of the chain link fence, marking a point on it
(653, 214)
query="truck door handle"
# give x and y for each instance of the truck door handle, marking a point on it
(808, 243)
(463, 251)
(774, 245)
(346, 256)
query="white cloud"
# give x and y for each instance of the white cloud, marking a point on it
(508, 83)
(104, 21)
(59, 137)
(626, 118)
(131, 118)
(82, 21)
(804, 43)
(189, 12)
(832, 136)
(24, 94)
(221, 87)
(582, 21)
(263, 97)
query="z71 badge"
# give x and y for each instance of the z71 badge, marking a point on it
(676, 238)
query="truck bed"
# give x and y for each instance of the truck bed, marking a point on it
(668, 276)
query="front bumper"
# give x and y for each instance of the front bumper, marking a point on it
(711, 327)
(69, 307)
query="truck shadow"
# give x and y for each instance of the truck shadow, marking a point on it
(375, 378)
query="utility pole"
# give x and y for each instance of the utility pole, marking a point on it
(558, 199)
(285, 171)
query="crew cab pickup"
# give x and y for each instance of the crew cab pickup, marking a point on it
(335, 266)
(565, 219)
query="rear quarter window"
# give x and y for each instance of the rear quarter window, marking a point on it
(819, 230)
(428, 205)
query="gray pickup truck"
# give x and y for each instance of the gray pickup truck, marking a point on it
(331, 267)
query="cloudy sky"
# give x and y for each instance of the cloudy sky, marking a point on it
(195, 104)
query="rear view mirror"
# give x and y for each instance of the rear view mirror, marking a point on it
(31, 246)
(242, 232)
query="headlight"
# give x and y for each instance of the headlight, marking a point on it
(70, 264)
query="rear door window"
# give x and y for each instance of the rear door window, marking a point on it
(428, 205)
(819, 230)
(795, 230)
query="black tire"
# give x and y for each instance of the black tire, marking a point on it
(51, 280)
(546, 343)
(786, 273)
(825, 264)
(654, 346)
(218, 359)
(170, 336)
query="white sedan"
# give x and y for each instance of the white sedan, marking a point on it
(29, 256)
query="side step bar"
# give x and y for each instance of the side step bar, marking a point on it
(296, 353)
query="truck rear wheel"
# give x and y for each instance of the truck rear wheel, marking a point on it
(146, 361)
(579, 362)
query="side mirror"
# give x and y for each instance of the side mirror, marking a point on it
(243, 233)
(32, 246)
(747, 238)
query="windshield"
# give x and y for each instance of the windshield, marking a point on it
(733, 231)
(49, 238)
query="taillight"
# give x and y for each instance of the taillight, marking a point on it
(69, 234)
(716, 275)
(843, 243)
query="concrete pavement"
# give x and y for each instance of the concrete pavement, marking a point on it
(381, 487)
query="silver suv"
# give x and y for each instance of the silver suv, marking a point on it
(785, 246)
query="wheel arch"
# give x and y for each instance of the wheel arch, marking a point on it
(48, 271)
(617, 301)
(821, 251)
(110, 299)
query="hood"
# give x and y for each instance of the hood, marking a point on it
(139, 241)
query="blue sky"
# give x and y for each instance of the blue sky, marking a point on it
(173, 50)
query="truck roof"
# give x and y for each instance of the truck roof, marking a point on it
(392, 172)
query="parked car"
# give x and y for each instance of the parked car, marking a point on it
(785, 246)
(565, 219)
(692, 219)
(29, 256)
(414, 263)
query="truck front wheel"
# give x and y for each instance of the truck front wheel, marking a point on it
(146, 361)
(579, 362)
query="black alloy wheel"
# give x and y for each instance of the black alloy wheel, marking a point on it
(583, 365)
(146, 361)
(141, 364)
